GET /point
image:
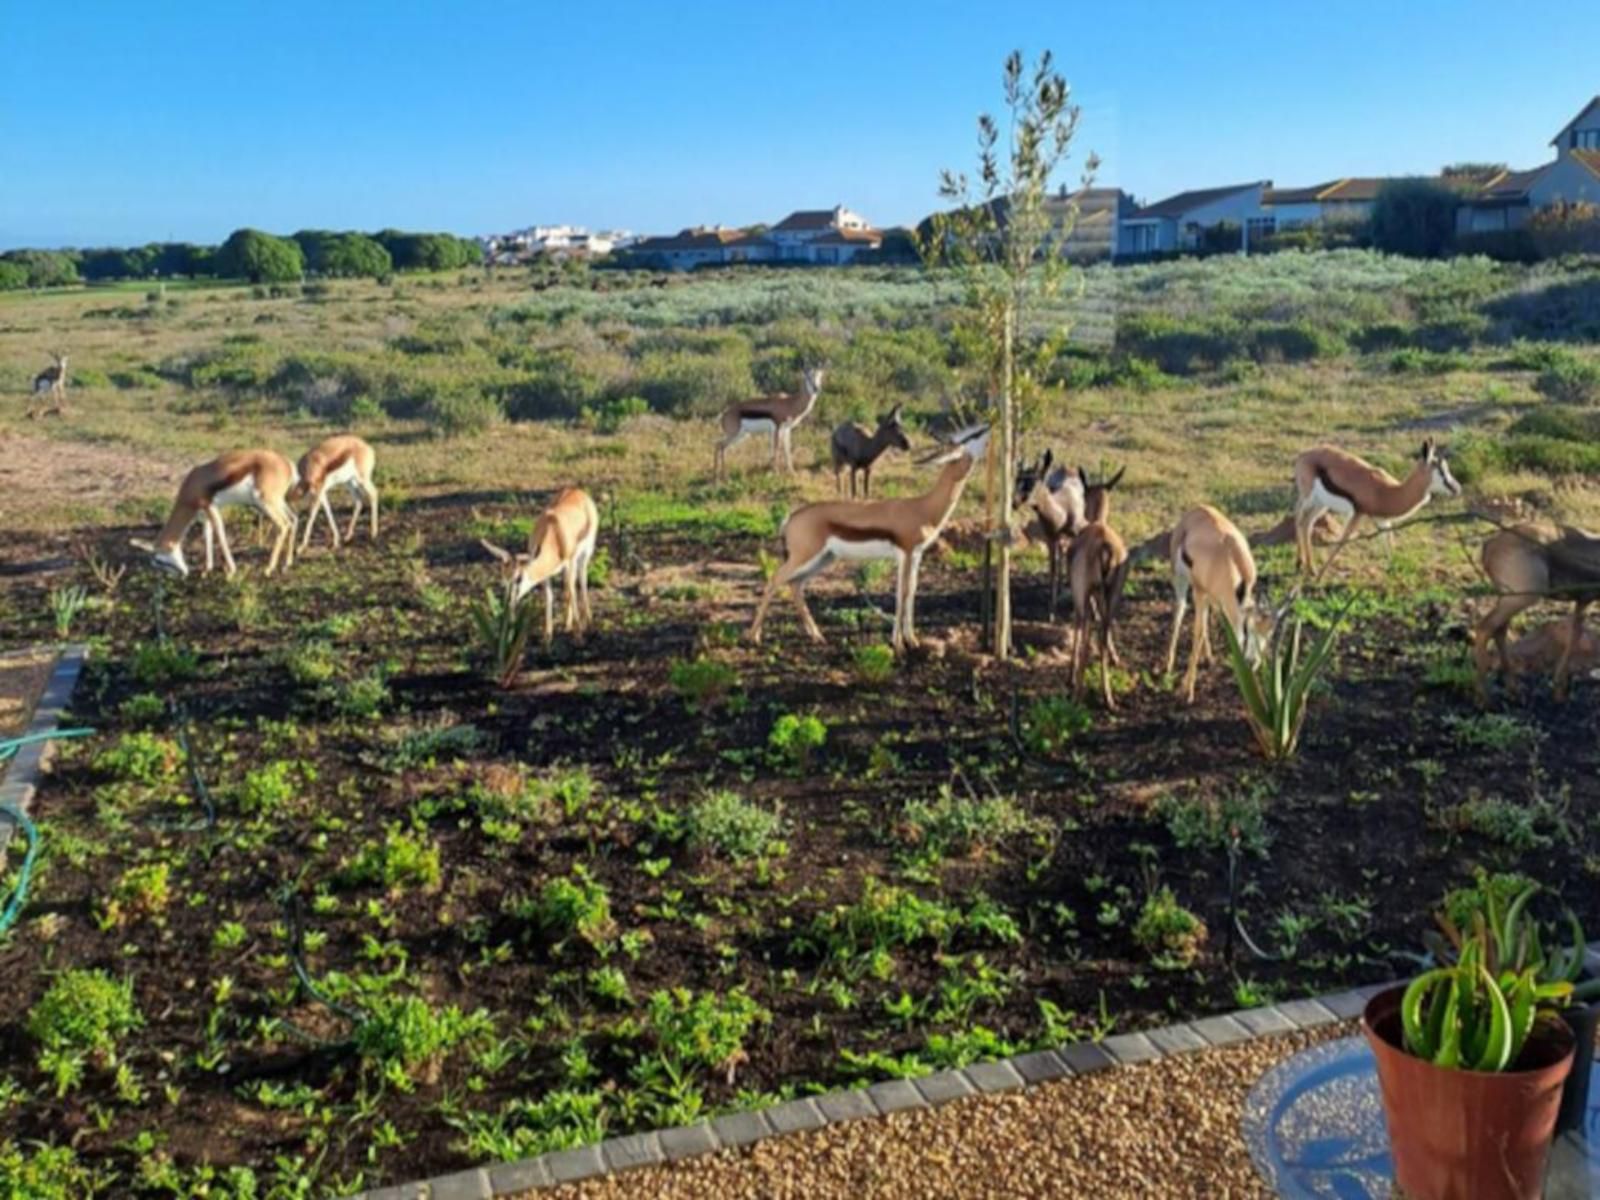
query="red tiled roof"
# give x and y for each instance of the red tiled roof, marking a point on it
(1589, 158)
(1176, 206)
(1510, 185)
(1356, 189)
(689, 239)
(819, 218)
(849, 237)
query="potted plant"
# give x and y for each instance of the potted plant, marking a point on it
(1471, 1061)
(1520, 939)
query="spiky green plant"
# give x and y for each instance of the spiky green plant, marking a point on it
(65, 605)
(1276, 690)
(502, 627)
(1501, 904)
(1476, 1015)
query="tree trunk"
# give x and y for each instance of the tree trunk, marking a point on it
(1008, 457)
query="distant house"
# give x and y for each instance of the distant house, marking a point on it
(686, 249)
(822, 236)
(1582, 132)
(1507, 200)
(1179, 222)
(1338, 202)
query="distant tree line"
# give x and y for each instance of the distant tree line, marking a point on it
(247, 254)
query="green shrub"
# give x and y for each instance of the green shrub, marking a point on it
(556, 388)
(1525, 355)
(266, 790)
(703, 1029)
(1412, 361)
(163, 662)
(576, 904)
(1575, 381)
(1052, 722)
(452, 411)
(1211, 823)
(795, 738)
(364, 696)
(703, 682)
(728, 824)
(45, 1172)
(1416, 217)
(84, 1011)
(145, 708)
(950, 824)
(406, 1032)
(142, 757)
(684, 384)
(873, 664)
(310, 663)
(502, 630)
(1169, 933)
(400, 860)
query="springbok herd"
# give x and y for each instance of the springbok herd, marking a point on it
(1210, 558)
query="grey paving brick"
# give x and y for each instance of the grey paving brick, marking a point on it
(1345, 1005)
(1307, 1014)
(1085, 1057)
(1131, 1048)
(400, 1191)
(796, 1116)
(507, 1179)
(1177, 1039)
(1041, 1066)
(581, 1162)
(994, 1076)
(463, 1185)
(742, 1128)
(1220, 1031)
(635, 1150)
(1372, 989)
(846, 1106)
(688, 1141)
(944, 1086)
(896, 1095)
(1262, 1021)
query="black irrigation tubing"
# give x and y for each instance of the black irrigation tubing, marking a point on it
(183, 727)
(1235, 921)
(289, 898)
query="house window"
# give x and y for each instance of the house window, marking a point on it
(1587, 139)
(1260, 227)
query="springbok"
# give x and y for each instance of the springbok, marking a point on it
(561, 543)
(1210, 555)
(777, 414)
(1064, 502)
(53, 381)
(343, 460)
(259, 479)
(1329, 480)
(902, 529)
(1528, 563)
(1097, 566)
(854, 447)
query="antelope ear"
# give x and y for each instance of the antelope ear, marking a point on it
(1117, 478)
(502, 555)
(141, 544)
(1049, 457)
(1083, 478)
(894, 413)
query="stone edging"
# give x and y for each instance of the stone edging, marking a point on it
(618, 1154)
(22, 772)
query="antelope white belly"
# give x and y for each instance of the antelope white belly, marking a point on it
(1332, 503)
(243, 492)
(756, 425)
(346, 474)
(841, 548)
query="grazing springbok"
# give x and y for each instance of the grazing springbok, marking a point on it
(854, 447)
(1064, 502)
(1097, 567)
(1210, 555)
(1528, 563)
(902, 529)
(258, 479)
(776, 414)
(561, 543)
(52, 381)
(1329, 480)
(343, 460)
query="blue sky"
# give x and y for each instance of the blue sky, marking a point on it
(169, 118)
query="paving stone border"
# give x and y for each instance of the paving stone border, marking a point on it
(22, 771)
(897, 1095)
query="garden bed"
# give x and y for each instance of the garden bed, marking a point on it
(631, 890)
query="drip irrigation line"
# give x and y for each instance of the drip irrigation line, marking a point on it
(289, 899)
(14, 814)
(183, 726)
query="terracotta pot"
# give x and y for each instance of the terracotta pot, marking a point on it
(1468, 1135)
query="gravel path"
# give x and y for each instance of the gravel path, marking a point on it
(1152, 1131)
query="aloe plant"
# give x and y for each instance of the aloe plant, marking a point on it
(1277, 689)
(503, 627)
(1476, 1014)
(1518, 936)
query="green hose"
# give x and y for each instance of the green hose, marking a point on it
(8, 749)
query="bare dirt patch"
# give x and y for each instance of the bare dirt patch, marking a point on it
(23, 675)
(39, 474)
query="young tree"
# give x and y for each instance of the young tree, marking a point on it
(1415, 217)
(1007, 239)
(260, 257)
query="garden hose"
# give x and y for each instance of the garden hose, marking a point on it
(289, 898)
(14, 814)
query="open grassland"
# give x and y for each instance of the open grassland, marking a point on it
(667, 873)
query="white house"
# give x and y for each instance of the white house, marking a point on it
(1179, 222)
(1508, 199)
(1340, 201)
(687, 249)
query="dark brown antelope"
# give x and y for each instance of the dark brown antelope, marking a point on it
(340, 461)
(51, 381)
(1528, 563)
(854, 447)
(777, 415)
(900, 529)
(259, 479)
(1329, 480)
